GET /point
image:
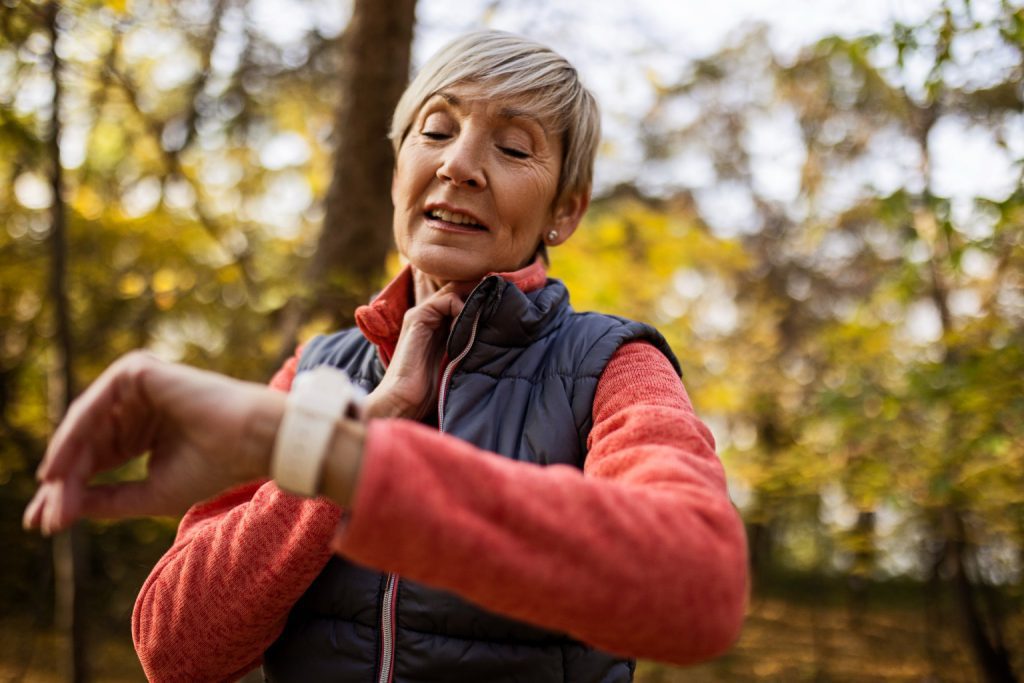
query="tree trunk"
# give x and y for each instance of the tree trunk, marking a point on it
(68, 546)
(356, 234)
(68, 563)
(864, 558)
(761, 537)
(62, 388)
(933, 613)
(985, 638)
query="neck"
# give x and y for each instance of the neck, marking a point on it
(424, 285)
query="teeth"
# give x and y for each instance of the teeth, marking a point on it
(452, 217)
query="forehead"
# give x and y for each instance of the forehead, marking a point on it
(464, 97)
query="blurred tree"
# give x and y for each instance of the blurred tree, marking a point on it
(194, 141)
(856, 342)
(68, 547)
(356, 238)
(850, 323)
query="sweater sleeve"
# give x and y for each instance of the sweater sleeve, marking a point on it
(195, 617)
(653, 563)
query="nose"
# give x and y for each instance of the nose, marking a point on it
(462, 163)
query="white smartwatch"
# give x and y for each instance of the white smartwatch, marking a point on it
(318, 398)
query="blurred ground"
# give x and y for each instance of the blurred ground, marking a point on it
(788, 637)
(790, 642)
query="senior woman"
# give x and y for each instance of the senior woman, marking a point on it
(525, 494)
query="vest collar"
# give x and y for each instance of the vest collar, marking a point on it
(380, 321)
(506, 316)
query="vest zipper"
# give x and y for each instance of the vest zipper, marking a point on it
(387, 612)
(387, 629)
(442, 392)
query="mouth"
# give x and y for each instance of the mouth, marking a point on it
(451, 219)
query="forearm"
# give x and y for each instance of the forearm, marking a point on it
(220, 595)
(642, 554)
(644, 569)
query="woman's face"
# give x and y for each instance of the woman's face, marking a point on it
(474, 186)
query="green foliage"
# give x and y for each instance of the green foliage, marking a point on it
(178, 241)
(854, 337)
(856, 344)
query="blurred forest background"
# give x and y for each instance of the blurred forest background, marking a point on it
(831, 235)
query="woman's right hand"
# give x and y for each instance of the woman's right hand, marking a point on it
(204, 433)
(410, 384)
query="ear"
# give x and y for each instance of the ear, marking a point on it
(567, 214)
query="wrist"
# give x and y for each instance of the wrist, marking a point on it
(344, 462)
(318, 402)
(261, 427)
(382, 405)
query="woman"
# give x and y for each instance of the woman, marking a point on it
(525, 493)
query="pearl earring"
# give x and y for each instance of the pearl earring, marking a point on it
(552, 236)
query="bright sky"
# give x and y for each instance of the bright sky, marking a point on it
(687, 27)
(794, 23)
(618, 44)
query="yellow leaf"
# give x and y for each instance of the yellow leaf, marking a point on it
(164, 280)
(131, 285)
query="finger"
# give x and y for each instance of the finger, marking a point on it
(442, 306)
(67, 440)
(452, 303)
(463, 289)
(68, 503)
(89, 419)
(54, 494)
(95, 399)
(459, 289)
(425, 286)
(33, 511)
(56, 504)
(50, 496)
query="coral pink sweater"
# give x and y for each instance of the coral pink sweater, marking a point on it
(653, 565)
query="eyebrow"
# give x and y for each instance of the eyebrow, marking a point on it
(508, 113)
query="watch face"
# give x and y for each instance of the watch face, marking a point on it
(301, 381)
(325, 391)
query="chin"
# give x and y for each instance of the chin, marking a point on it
(444, 266)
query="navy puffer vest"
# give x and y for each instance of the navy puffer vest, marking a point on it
(523, 386)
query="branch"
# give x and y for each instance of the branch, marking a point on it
(172, 160)
(212, 33)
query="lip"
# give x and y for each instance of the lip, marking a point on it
(453, 227)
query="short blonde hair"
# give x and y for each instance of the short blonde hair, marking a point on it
(514, 67)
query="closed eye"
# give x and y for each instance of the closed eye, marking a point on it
(514, 153)
(434, 135)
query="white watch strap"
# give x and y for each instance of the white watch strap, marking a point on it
(318, 398)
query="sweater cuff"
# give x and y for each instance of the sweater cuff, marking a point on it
(371, 486)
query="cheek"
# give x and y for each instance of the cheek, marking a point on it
(401, 181)
(400, 188)
(412, 175)
(532, 202)
(398, 231)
